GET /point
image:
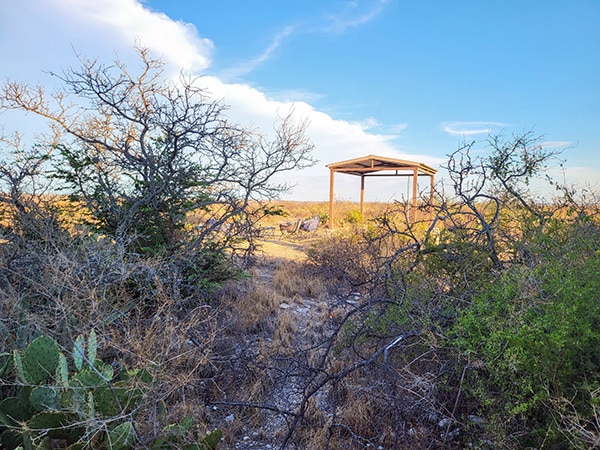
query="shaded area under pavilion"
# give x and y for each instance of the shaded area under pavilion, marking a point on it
(374, 166)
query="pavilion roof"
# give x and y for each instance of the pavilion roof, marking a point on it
(372, 163)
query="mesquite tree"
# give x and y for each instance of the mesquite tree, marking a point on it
(141, 151)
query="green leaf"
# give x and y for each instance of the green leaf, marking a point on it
(185, 424)
(44, 398)
(90, 407)
(15, 409)
(18, 362)
(4, 361)
(40, 359)
(62, 371)
(90, 378)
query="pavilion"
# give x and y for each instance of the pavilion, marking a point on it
(372, 166)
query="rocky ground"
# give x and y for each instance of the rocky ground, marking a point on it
(309, 316)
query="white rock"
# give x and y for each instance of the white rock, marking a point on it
(445, 422)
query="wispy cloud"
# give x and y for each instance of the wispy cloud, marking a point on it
(111, 26)
(556, 144)
(248, 66)
(398, 128)
(471, 128)
(354, 15)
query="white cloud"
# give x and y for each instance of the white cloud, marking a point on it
(175, 41)
(354, 16)
(108, 28)
(248, 66)
(471, 128)
(398, 128)
(556, 144)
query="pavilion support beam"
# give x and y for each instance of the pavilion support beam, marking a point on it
(331, 179)
(415, 189)
(431, 187)
(362, 196)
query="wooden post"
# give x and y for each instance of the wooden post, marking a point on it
(362, 196)
(431, 187)
(415, 190)
(331, 172)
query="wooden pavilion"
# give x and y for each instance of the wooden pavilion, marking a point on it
(371, 166)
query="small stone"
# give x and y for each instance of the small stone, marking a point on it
(230, 418)
(476, 419)
(445, 422)
(284, 306)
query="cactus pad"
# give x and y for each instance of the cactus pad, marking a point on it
(40, 359)
(45, 398)
(56, 425)
(121, 437)
(14, 409)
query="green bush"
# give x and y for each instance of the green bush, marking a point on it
(535, 337)
(354, 217)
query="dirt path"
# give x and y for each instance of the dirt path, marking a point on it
(306, 315)
(286, 248)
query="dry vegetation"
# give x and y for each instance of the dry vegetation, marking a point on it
(160, 306)
(334, 339)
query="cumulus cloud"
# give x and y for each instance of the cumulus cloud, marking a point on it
(471, 128)
(108, 28)
(177, 42)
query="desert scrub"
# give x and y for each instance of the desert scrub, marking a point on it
(346, 259)
(534, 332)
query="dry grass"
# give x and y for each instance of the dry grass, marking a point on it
(292, 281)
(240, 346)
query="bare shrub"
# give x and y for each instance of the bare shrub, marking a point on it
(347, 261)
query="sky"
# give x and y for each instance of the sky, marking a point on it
(404, 79)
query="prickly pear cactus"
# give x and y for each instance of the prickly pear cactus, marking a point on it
(121, 437)
(4, 362)
(40, 359)
(45, 398)
(56, 402)
(211, 440)
(15, 409)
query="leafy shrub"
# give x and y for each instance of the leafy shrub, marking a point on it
(534, 334)
(354, 217)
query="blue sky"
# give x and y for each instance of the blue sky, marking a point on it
(405, 79)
